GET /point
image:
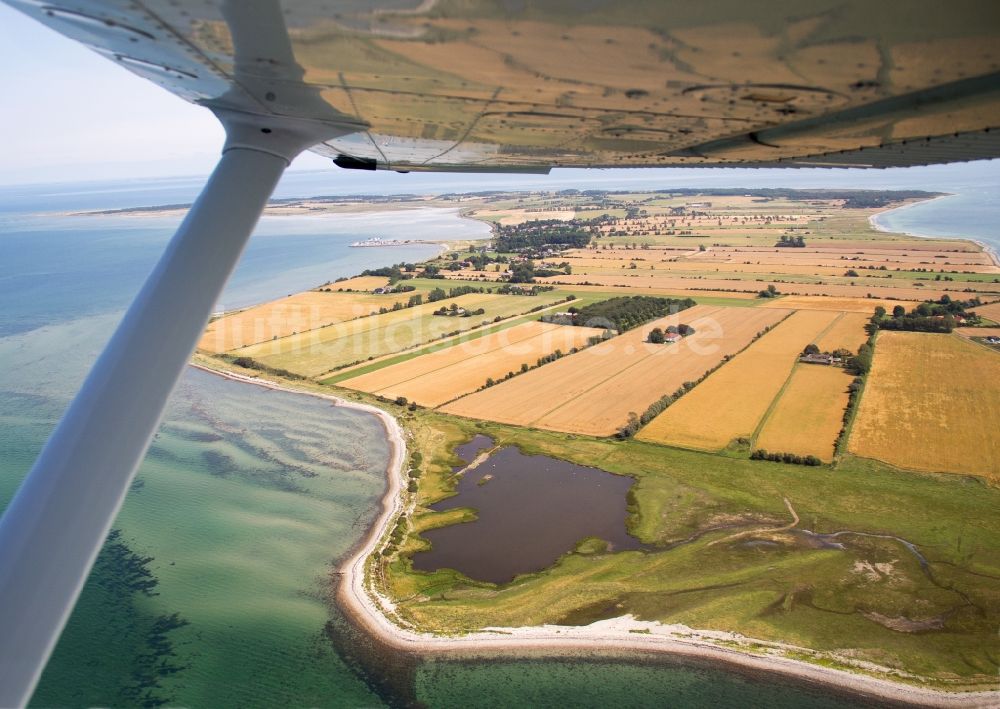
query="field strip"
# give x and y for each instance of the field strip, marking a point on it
(736, 397)
(530, 395)
(663, 373)
(599, 383)
(469, 374)
(394, 358)
(808, 416)
(847, 333)
(315, 353)
(430, 362)
(773, 405)
(578, 394)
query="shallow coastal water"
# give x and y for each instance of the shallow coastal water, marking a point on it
(243, 512)
(530, 510)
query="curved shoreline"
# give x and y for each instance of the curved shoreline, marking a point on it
(873, 221)
(370, 610)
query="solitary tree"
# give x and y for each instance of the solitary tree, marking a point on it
(656, 336)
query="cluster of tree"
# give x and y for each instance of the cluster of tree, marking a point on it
(415, 460)
(454, 311)
(813, 349)
(658, 336)
(537, 235)
(394, 273)
(432, 271)
(861, 363)
(527, 272)
(440, 293)
(761, 454)
(598, 339)
(770, 292)
(250, 363)
(791, 241)
(507, 289)
(624, 312)
(929, 316)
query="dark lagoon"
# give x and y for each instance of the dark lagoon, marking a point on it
(531, 510)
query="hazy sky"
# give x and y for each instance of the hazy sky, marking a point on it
(70, 114)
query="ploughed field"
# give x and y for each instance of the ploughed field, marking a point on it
(931, 403)
(438, 377)
(593, 391)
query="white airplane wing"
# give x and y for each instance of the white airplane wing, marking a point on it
(489, 85)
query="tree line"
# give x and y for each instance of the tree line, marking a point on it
(623, 312)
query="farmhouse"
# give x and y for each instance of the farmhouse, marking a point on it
(819, 358)
(672, 337)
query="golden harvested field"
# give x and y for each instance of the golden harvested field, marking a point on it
(991, 311)
(978, 331)
(931, 403)
(322, 350)
(848, 333)
(809, 414)
(297, 313)
(732, 401)
(819, 302)
(365, 283)
(593, 391)
(441, 376)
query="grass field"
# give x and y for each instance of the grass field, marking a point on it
(848, 332)
(732, 401)
(324, 349)
(593, 391)
(932, 402)
(809, 413)
(441, 376)
(297, 313)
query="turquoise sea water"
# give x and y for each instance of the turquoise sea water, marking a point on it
(243, 513)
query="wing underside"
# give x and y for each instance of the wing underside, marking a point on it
(524, 86)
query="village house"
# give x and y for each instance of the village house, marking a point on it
(819, 358)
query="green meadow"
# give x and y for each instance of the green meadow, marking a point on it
(720, 561)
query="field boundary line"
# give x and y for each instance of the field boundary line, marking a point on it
(788, 380)
(452, 364)
(415, 351)
(615, 374)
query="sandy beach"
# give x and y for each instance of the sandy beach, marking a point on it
(374, 613)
